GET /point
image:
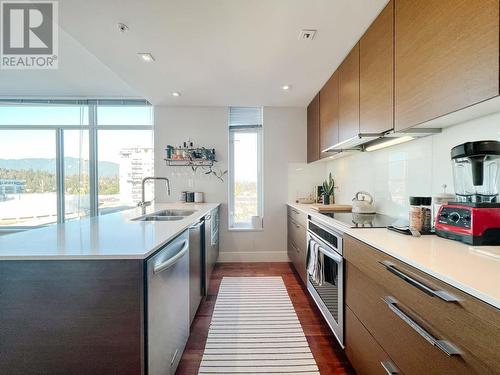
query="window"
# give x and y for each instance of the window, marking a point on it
(63, 160)
(76, 174)
(28, 194)
(125, 158)
(245, 168)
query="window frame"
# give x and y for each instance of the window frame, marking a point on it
(92, 127)
(232, 225)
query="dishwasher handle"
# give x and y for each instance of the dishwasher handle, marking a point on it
(172, 260)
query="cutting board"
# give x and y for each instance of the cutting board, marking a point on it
(332, 207)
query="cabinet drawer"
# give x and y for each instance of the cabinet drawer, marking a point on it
(298, 216)
(292, 252)
(300, 265)
(400, 330)
(471, 324)
(363, 351)
(299, 234)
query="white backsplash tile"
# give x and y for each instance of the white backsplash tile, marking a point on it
(418, 167)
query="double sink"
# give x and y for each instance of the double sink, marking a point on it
(165, 215)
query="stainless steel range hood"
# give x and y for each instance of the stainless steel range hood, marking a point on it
(363, 140)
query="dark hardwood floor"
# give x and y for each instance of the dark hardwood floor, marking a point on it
(325, 349)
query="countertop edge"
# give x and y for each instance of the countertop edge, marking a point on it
(442, 277)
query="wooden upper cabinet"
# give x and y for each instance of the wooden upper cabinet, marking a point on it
(446, 57)
(349, 95)
(329, 114)
(376, 69)
(313, 130)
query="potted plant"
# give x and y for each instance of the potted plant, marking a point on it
(327, 190)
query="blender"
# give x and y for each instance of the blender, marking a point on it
(474, 218)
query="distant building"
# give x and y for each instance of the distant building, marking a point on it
(11, 187)
(135, 164)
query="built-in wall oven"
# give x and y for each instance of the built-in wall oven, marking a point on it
(325, 276)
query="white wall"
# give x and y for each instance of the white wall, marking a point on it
(416, 168)
(284, 152)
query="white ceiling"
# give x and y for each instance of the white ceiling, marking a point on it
(215, 52)
(80, 74)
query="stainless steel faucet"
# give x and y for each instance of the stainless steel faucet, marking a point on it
(143, 203)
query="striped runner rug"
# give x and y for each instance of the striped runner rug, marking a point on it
(255, 330)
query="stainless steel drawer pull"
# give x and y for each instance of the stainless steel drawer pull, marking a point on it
(442, 294)
(390, 367)
(446, 346)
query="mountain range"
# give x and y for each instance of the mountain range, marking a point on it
(71, 165)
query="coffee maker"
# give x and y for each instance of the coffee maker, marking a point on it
(474, 218)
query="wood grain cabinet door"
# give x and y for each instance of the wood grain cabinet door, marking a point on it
(329, 114)
(446, 57)
(363, 351)
(313, 130)
(376, 70)
(349, 95)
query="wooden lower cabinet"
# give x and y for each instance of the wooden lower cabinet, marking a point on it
(365, 354)
(422, 334)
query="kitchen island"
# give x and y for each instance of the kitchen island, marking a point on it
(79, 297)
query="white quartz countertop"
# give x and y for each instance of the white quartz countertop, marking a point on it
(472, 269)
(112, 236)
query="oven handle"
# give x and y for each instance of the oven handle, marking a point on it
(322, 241)
(329, 253)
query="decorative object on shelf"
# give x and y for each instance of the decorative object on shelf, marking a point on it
(198, 158)
(327, 190)
(190, 157)
(199, 197)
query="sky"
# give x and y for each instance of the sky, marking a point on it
(19, 144)
(245, 162)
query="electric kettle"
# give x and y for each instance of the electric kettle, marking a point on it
(362, 203)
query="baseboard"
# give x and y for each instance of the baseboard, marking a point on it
(253, 256)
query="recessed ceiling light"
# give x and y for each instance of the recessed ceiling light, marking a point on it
(307, 34)
(286, 87)
(146, 56)
(122, 27)
(176, 94)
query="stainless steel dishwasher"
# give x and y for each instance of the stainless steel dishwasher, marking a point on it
(167, 292)
(196, 250)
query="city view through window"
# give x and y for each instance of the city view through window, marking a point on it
(29, 161)
(245, 154)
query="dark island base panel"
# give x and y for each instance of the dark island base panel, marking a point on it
(71, 317)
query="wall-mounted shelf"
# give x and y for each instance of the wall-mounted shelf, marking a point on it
(189, 162)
